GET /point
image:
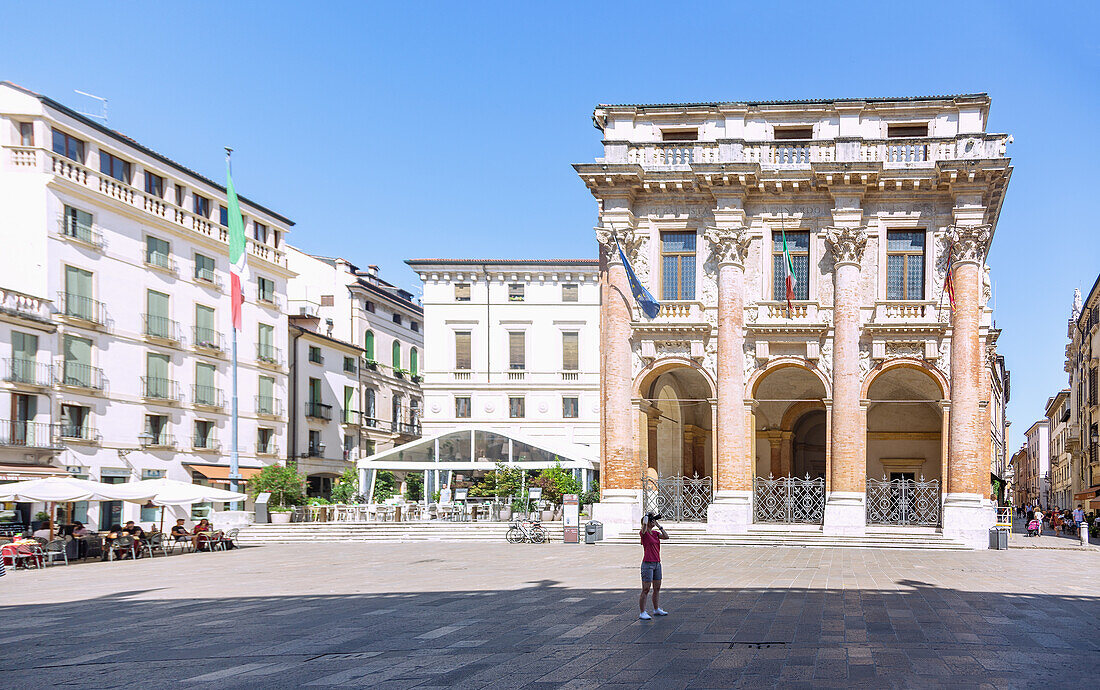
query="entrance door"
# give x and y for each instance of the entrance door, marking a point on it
(110, 512)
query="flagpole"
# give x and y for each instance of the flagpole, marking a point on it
(234, 470)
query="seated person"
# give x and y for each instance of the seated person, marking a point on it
(179, 531)
(79, 530)
(203, 526)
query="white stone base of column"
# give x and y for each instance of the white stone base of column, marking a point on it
(968, 518)
(730, 513)
(845, 514)
(620, 510)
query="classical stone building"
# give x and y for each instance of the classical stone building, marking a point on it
(1061, 478)
(868, 372)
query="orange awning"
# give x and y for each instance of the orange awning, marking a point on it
(19, 473)
(220, 473)
(1085, 495)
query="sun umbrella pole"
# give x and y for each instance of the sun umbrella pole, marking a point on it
(53, 514)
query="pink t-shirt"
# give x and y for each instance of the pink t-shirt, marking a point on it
(651, 547)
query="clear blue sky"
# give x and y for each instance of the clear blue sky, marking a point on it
(403, 130)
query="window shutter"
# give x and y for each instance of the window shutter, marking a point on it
(157, 366)
(204, 319)
(368, 345)
(204, 375)
(396, 354)
(267, 387)
(414, 362)
(570, 293)
(516, 350)
(462, 350)
(157, 303)
(570, 355)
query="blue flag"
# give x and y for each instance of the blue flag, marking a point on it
(650, 307)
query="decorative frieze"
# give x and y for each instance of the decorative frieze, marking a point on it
(969, 243)
(846, 244)
(729, 245)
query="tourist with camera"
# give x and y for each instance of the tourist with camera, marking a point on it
(651, 535)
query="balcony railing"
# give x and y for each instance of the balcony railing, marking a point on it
(158, 388)
(79, 432)
(81, 232)
(26, 434)
(161, 261)
(372, 422)
(316, 450)
(160, 327)
(318, 410)
(161, 440)
(269, 449)
(207, 396)
(205, 444)
(674, 312)
(78, 375)
(270, 301)
(269, 405)
(210, 279)
(896, 311)
(27, 371)
(19, 304)
(407, 428)
(268, 354)
(81, 307)
(352, 417)
(208, 339)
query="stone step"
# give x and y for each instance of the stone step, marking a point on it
(384, 531)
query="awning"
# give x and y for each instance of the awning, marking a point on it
(1084, 495)
(20, 473)
(220, 473)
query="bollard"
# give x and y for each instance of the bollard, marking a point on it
(1083, 530)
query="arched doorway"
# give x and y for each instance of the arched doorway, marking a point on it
(904, 445)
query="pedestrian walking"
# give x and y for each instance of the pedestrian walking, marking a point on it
(651, 535)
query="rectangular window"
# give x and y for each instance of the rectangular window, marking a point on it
(68, 146)
(369, 306)
(414, 326)
(315, 391)
(77, 224)
(74, 421)
(462, 292)
(784, 133)
(204, 268)
(154, 184)
(157, 323)
(463, 358)
(679, 134)
(78, 294)
(678, 265)
(515, 292)
(26, 134)
(205, 333)
(570, 408)
(462, 407)
(24, 352)
(157, 427)
(179, 195)
(206, 391)
(265, 344)
(223, 216)
(265, 403)
(397, 318)
(114, 166)
(77, 367)
(570, 292)
(259, 232)
(516, 408)
(204, 434)
(905, 264)
(265, 289)
(316, 448)
(156, 252)
(517, 350)
(315, 355)
(265, 441)
(798, 244)
(201, 205)
(328, 300)
(349, 365)
(157, 383)
(570, 351)
(907, 131)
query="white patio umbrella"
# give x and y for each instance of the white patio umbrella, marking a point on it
(55, 490)
(170, 492)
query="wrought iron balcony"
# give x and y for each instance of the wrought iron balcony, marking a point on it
(405, 428)
(82, 308)
(268, 354)
(161, 440)
(352, 417)
(28, 372)
(27, 434)
(269, 405)
(78, 375)
(160, 327)
(205, 444)
(161, 261)
(207, 396)
(207, 339)
(79, 432)
(81, 232)
(157, 388)
(209, 278)
(269, 449)
(318, 410)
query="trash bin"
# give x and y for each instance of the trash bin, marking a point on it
(998, 538)
(593, 531)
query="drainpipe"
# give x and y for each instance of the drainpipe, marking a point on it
(292, 446)
(488, 325)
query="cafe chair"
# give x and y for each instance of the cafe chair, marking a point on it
(54, 550)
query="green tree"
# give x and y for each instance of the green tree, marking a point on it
(556, 482)
(286, 486)
(414, 487)
(385, 486)
(347, 487)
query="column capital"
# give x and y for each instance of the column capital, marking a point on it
(729, 245)
(846, 244)
(969, 243)
(628, 239)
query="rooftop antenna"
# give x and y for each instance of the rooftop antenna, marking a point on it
(103, 103)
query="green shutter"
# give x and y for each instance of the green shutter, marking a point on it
(24, 346)
(267, 387)
(414, 362)
(349, 405)
(204, 375)
(157, 365)
(157, 304)
(204, 319)
(267, 335)
(396, 354)
(78, 361)
(368, 345)
(78, 282)
(315, 391)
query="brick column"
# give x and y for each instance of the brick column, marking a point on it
(733, 461)
(846, 491)
(967, 510)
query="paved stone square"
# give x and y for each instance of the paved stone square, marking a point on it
(510, 616)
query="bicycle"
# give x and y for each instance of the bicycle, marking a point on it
(524, 531)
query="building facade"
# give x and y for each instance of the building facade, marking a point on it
(117, 309)
(1083, 365)
(999, 393)
(1025, 485)
(515, 347)
(1037, 442)
(1061, 481)
(360, 309)
(858, 376)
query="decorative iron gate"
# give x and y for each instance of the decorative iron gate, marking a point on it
(788, 499)
(903, 502)
(677, 499)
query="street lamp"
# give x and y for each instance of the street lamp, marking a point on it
(145, 439)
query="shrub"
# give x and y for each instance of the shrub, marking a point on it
(347, 487)
(385, 486)
(286, 485)
(556, 482)
(414, 487)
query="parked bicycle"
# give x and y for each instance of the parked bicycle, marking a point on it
(526, 531)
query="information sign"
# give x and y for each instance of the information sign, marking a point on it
(571, 519)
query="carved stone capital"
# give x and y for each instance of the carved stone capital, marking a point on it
(969, 243)
(729, 245)
(846, 244)
(628, 238)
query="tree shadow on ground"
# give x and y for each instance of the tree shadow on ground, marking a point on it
(546, 635)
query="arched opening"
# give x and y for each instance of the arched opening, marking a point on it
(790, 423)
(679, 438)
(904, 424)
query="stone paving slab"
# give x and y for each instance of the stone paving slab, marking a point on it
(556, 616)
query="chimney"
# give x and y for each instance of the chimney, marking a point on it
(372, 270)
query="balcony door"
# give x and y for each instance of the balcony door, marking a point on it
(23, 411)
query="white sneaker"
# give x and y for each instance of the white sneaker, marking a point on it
(660, 612)
(645, 616)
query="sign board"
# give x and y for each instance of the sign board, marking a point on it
(535, 493)
(262, 516)
(460, 494)
(571, 517)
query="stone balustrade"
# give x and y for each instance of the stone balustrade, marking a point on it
(897, 312)
(674, 312)
(527, 377)
(20, 304)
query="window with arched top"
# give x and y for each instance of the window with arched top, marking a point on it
(414, 362)
(368, 345)
(396, 354)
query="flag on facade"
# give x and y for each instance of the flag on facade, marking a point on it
(236, 248)
(788, 265)
(650, 307)
(949, 282)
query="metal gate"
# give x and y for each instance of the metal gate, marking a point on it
(788, 499)
(677, 499)
(903, 502)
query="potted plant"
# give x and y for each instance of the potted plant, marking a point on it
(371, 364)
(280, 515)
(39, 518)
(286, 486)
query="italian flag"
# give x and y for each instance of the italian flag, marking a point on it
(236, 248)
(789, 271)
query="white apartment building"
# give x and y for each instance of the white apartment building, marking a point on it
(514, 347)
(124, 252)
(1061, 480)
(360, 309)
(1037, 442)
